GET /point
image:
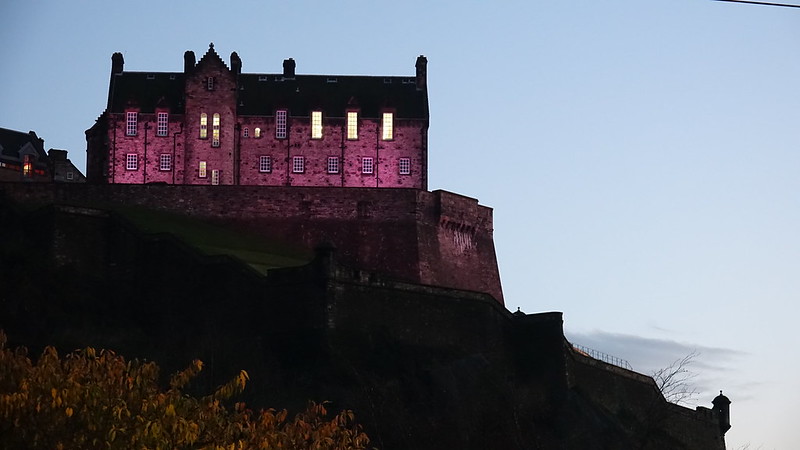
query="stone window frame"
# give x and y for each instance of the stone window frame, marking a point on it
(265, 164)
(162, 124)
(246, 132)
(298, 164)
(215, 130)
(203, 126)
(281, 124)
(316, 124)
(165, 162)
(404, 166)
(351, 125)
(387, 125)
(215, 177)
(202, 169)
(367, 165)
(131, 161)
(131, 123)
(332, 165)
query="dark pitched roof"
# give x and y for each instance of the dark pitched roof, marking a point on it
(12, 141)
(146, 90)
(262, 94)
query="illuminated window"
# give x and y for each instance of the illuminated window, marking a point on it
(405, 166)
(246, 132)
(27, 166)
(352, 125)
(210, 83)
(165, 162)
(265, 164)
(366, 165)
(316, 125)
(201, 171)
(387, 126)
(131, 161)
(298, 164)
(215, 131)
(163, 124)
(280, 124)
(203, 126)
(215, 177)
(130, 122)
(333, 164)
(257, 132)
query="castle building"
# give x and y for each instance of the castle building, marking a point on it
(215, 125)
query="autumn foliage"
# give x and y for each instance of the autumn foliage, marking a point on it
(95, 399)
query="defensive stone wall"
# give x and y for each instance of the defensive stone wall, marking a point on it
(436, 238)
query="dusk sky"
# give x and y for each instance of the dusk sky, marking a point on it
(641, 157)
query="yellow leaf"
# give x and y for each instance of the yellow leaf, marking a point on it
(69, 411)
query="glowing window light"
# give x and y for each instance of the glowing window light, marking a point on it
(215, 131)
(27, 166)
(201, 172)
(203, 126)
(280, 124)
(257, 132)
(388, 126)
(316, 125)
(352, 125)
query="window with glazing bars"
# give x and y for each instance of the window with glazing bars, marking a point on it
(280, 124)
(131, 161)
(215, 131)
(333, 164)
(298, 164)
(265, 164)
(366, 165)
(405, 166)
(130, 123)
(165, 162)
(163, 124)
(387, 126)
(352, 125)
(316, 125)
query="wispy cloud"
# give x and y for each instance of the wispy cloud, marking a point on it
(713, 366)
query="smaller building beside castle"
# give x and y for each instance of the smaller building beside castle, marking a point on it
(23, 158)
(215, 125)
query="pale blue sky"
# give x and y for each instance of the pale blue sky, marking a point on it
(641, 156)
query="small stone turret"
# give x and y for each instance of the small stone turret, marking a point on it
(722, 409)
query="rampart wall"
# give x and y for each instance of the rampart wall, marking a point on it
(436, 238)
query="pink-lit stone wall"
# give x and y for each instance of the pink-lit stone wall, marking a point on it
(148, 148)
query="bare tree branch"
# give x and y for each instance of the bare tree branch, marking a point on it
(675, 380)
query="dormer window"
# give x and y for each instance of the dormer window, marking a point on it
(131, 122)
(27, 166)
(280, 124)
(352, 125)
(387, 126)
(316, 125)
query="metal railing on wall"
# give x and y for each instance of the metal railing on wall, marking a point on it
(605, 357)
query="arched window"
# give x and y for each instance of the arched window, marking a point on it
(215, 132)
(203, 126)
(257, 132)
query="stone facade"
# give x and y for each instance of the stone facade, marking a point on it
(213, 124)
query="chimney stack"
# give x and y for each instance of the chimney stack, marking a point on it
(288, 68)
(117, 62)
(188, 61)
(236, 63)
(422, 73)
